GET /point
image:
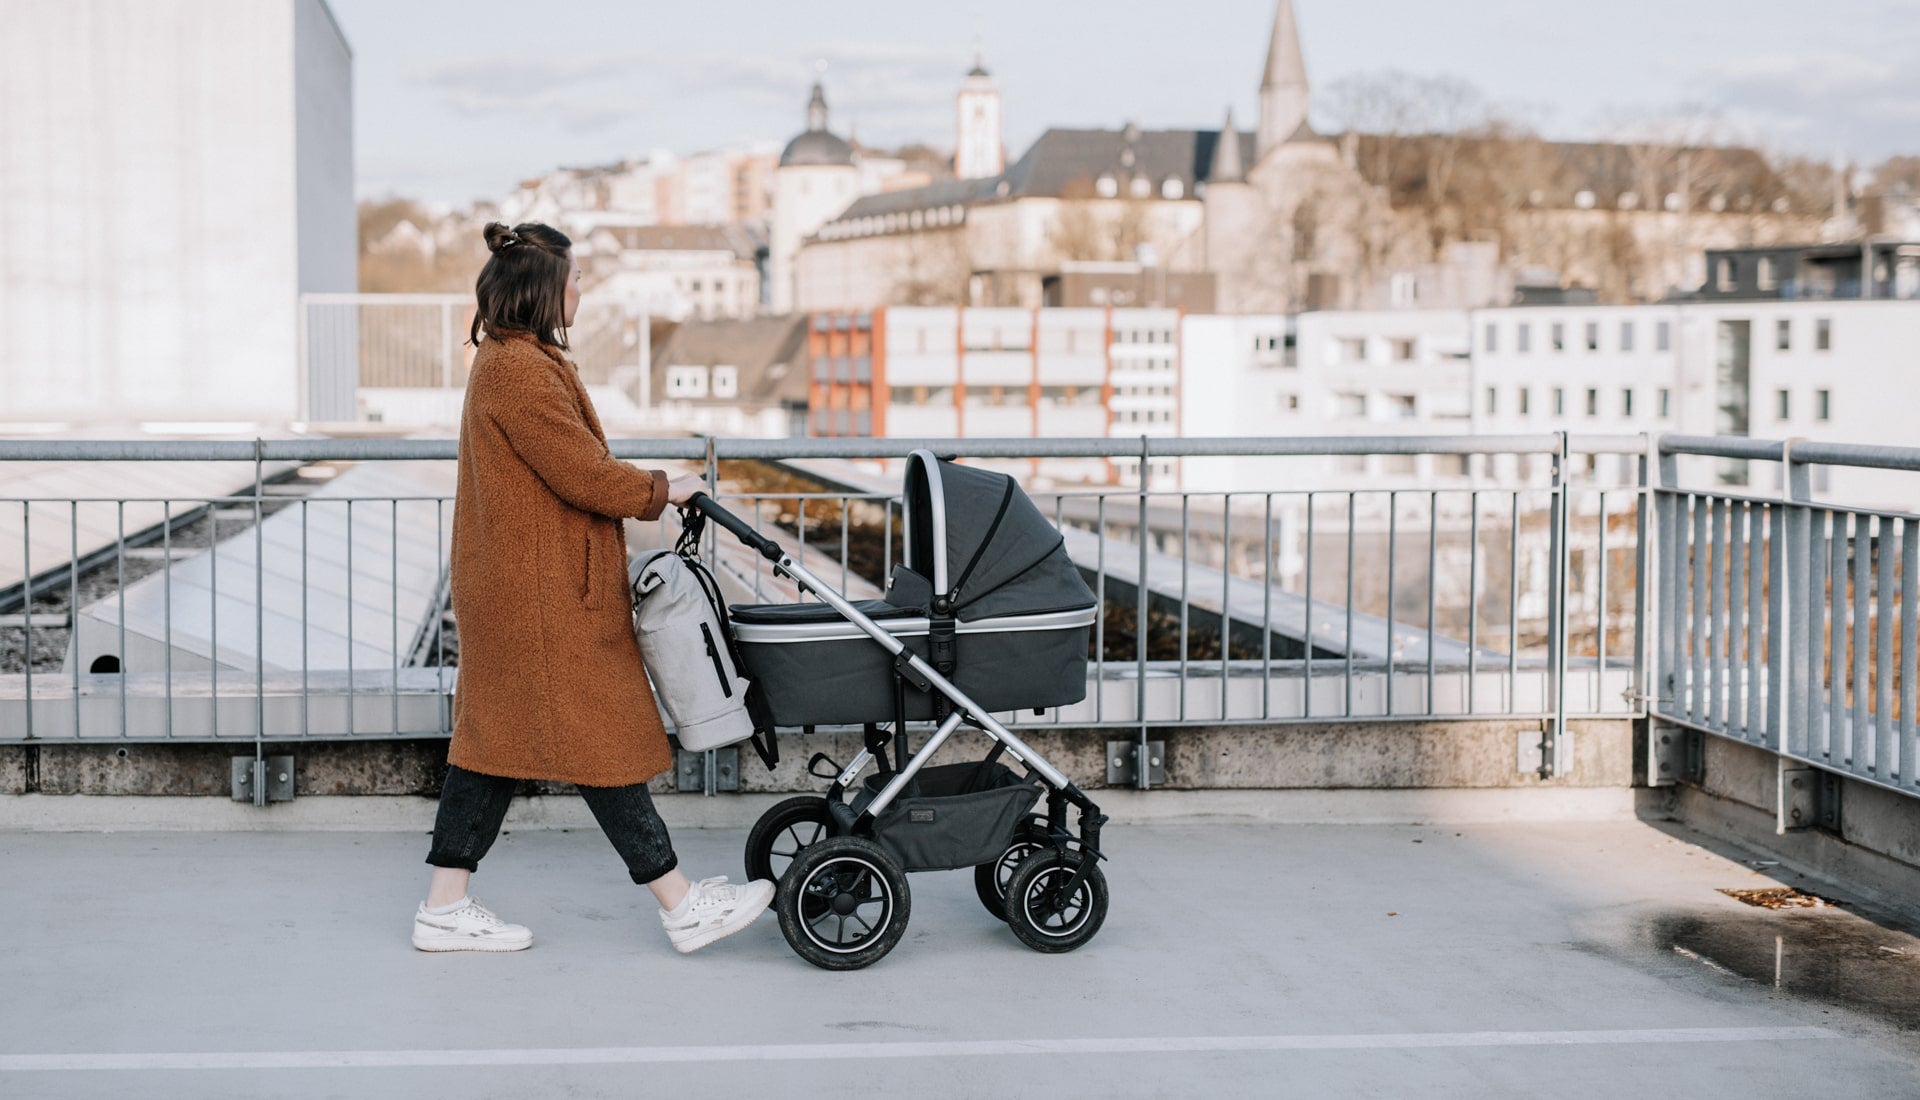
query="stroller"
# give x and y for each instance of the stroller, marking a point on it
(986, 612)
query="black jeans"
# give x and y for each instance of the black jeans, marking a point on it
(473, 805)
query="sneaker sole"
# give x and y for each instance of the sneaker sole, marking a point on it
(467, 944)
(721, 933)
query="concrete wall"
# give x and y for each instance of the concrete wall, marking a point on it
(1335, 756)
(176, 172)
(1876, 848)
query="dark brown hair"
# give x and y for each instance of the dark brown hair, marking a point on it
(523, 288)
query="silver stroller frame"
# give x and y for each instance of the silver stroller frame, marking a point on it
(1039, 876)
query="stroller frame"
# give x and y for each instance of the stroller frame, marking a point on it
(910, 669)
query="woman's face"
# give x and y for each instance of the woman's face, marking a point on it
(572, 301)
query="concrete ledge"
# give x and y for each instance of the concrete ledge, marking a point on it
(1815, 853)
(375, 813)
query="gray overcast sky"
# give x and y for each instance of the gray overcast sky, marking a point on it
(460, 99)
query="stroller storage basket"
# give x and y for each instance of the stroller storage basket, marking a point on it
(951, 815)
(819, 669)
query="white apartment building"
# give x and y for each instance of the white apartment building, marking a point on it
(176, 174)
(1831, 370)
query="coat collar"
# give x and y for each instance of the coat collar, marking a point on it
(518, 339)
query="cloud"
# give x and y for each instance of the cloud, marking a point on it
(1819, 100)
(579, 95)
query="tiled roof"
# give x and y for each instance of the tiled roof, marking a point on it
(767, 350)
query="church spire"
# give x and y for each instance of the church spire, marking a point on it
(1283, 86)
(1226, 167)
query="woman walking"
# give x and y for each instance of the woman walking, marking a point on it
(551, 684)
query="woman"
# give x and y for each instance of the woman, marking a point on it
(551, 685)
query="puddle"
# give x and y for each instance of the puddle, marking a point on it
(1819, 954)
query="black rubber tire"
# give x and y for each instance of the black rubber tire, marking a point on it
(1030, 913)
(990, 879)
(768, 833)
(850, 874)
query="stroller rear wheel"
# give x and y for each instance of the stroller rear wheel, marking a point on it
(1045, 911)
(782, 832)
(990, 879)
(843, 903)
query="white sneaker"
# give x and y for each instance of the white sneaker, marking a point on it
(714, 910)
(472, 927)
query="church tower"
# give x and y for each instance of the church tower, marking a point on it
(815, 180)
(1283, 87)
(978, 151)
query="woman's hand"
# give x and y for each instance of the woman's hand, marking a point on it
(681, 489)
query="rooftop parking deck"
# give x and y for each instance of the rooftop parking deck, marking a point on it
(1238, 959)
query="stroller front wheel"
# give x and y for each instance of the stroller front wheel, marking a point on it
(843, 903)
(1046, 911)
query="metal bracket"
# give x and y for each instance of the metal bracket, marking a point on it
(1809, 797)
(691, 773)
(1675, 754)
(263, 781)
(1534, 751)
(1123, 758)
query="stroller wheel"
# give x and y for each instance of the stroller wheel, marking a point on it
(843, 903)
(1044, 913)
(990, 879)
(781, 832)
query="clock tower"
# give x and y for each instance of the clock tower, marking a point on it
(977, 151)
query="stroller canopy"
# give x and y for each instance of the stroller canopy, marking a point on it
(978, 538)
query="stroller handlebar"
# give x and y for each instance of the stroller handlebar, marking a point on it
(765, 547)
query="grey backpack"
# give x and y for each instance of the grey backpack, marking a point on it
(686, 640)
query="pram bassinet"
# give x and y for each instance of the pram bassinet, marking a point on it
(987, 593)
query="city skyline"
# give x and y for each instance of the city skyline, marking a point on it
(508, 106)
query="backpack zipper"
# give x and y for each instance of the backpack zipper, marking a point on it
(713, 654)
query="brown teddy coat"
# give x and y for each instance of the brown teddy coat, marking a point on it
(550, 685)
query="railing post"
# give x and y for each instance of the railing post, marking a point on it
(446, 345)
(710, 760)
(1645, 561)
(1555, 744)
(1796, 659)
(1142, 773)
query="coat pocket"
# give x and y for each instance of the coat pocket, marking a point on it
(589, 591)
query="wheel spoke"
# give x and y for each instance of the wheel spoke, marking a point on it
(840, 934)
(864, 926)
(870, 901)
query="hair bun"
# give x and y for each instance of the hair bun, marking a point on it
(499, 238)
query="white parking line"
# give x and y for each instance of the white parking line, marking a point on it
(805, 1052)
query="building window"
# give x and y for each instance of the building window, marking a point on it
(1726, 274)
(726, 381)
(1403, 350)
(1559, 401)
(1593, 401)
(1823, 335)
(1666, 403)
(686, 382)
(1626, 336)
(1403, 290)
(1559, 336)
(1493, 337)
(1353, 349)
(1783, 335)
(1350, 404)
(1763, 273)
(1106, 187)
(1526, 401)
(1782, 404)
(1663, 336)
(1290, 402)
(1823, 405)
(1523, 337)
(1593, 336)
(1493, 401)
(1401, 405)
(1626, 402)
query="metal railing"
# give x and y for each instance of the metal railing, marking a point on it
(356, 345)
(1779, 621)
(1787, 623)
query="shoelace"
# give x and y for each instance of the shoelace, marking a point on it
(481, 913)
(712, 892)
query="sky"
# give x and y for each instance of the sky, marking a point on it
(456, 100)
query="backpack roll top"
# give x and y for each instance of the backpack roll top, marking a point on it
(681, 624)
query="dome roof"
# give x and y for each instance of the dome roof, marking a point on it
(816, 147)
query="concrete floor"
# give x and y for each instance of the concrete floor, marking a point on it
(1510, 960)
